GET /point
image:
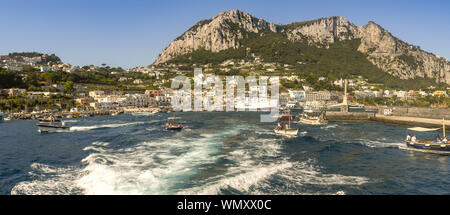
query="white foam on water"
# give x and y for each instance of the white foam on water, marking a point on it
(149, 167)
(97, 143)
(86, 128)
(241, 182)
(48, 180)
(304, 173)
(168, 165)
(330, 126)
(379, 144)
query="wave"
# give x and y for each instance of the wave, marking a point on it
(307, 173)
(330, 126)
(155, 167)
(380, 144)
(48, 180)
(241, 182)
(242, 161)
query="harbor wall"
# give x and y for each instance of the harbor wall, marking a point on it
(431, 113)
(350, 116)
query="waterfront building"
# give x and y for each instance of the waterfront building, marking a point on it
(318, 96)
(96, 93)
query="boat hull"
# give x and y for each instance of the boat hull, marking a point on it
(287, 132)
(433, 147)
(312, 121)
(48, 120)
(174, 128)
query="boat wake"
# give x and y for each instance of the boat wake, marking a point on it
(233, 160)
(87, 128)
(380, 144)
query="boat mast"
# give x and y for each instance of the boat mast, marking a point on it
(289, 112)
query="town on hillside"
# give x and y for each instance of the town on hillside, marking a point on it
(41, 83)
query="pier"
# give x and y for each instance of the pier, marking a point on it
(411, 121)
(390, 120)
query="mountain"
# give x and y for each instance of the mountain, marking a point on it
(321, 45)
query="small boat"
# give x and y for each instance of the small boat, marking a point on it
(286, 130)
(439, 145)
(1, 116)
(172, 125)
(49, 127)
(313, 117)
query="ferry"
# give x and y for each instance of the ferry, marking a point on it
(439, 145)
(313, 117)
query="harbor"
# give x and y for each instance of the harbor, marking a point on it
(226, 153)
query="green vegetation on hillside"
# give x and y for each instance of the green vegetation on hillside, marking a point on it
(34, 80)
(49, 58)
(340, 60)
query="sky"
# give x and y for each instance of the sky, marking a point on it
(132, 33)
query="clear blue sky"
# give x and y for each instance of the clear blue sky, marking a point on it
(133, 33)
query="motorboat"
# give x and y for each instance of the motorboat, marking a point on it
(50, 127)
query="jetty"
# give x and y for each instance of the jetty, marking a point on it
(410, 121)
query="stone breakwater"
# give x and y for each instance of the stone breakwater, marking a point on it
(423, 117)
(421, 112)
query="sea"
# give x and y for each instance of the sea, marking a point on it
(216, 153)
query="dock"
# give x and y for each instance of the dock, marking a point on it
(411, 121)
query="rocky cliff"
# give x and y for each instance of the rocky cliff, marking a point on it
(227, 29)
(219, 33)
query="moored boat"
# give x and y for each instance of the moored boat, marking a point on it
(313, 117)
